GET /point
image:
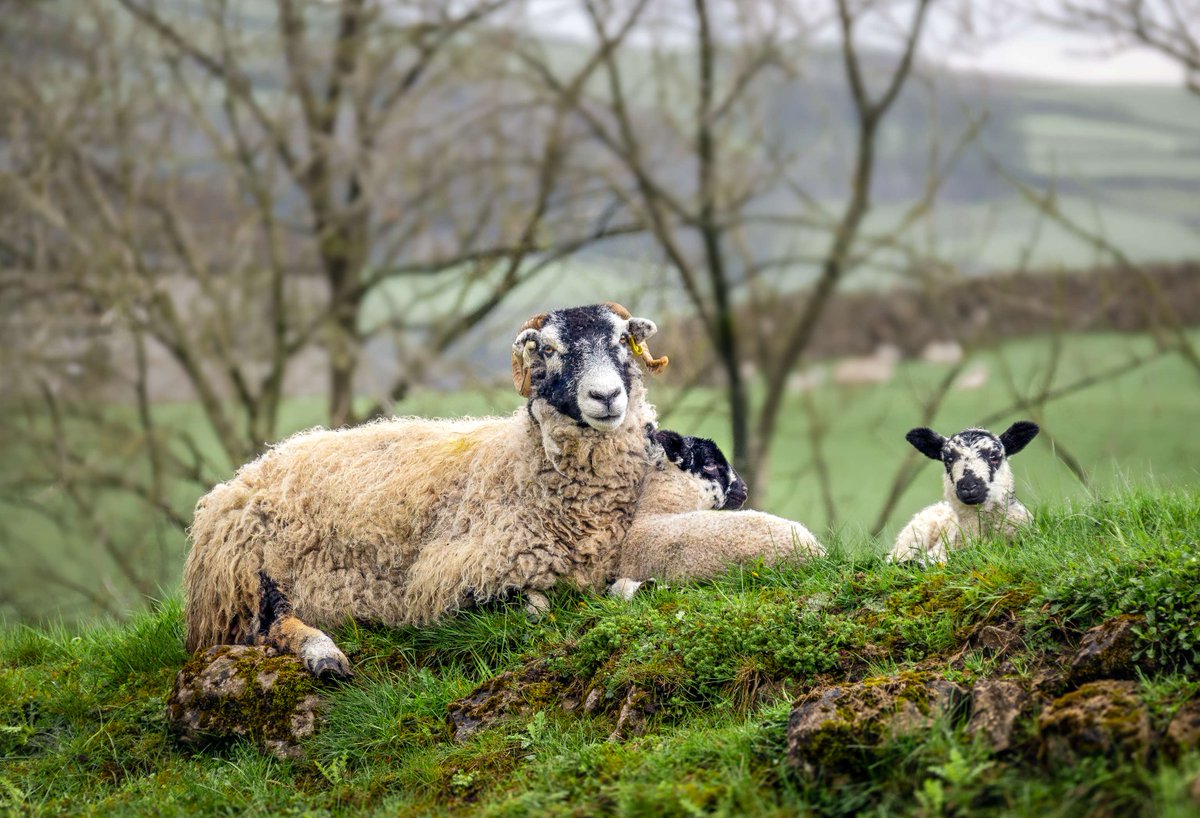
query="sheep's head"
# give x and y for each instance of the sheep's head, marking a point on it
(705, 460)
(582, 361)
(976, 461)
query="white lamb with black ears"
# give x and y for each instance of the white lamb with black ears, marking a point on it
(980, 498)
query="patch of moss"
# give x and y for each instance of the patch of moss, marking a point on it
(274, 687)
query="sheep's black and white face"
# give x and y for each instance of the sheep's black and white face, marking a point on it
(703, 458)
(976, 461)
(582, 362)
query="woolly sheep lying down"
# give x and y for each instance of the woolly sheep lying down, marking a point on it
(401, 521)
(979, 494)
(677, 534)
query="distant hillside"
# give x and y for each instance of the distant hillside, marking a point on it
(1124, 160)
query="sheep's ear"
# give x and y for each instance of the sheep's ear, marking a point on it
(527, 340)
(641, 328)
(673, 444)
(927, 442)
(1017, 436)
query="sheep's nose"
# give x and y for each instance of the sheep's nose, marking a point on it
(971, 490)
(735, 498)
(605, 397)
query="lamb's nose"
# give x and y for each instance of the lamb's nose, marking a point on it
(605, 397)
(971, 490)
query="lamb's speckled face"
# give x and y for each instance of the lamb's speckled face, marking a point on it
(976, 467)
(582, 364)
(976, 461)
(704, 459)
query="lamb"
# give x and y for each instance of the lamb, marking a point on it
(980, 497)
(688, 525)
(403, 520)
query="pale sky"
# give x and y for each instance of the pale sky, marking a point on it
(1016, 45)
(1005, 40)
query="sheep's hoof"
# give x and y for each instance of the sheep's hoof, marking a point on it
(536, 605)
(624, 588)
(323, 659)
(333, 669)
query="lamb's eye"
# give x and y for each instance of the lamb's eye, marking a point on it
(548, 350)
(994, 458)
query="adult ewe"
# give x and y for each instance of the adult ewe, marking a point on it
(688, 525)
(403, 520)
(979, 495)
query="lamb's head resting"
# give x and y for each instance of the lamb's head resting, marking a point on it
(976, 461)
(582, 361)
(705, 463)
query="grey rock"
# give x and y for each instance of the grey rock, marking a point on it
(237, 691)
(997, 640)
(636, 710)
(1105, 718)
(1183, 733)
(996, 704)
(1105, 651)
(837, 727)
(513, 693)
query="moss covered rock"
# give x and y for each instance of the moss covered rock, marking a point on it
(996, 707)
(1105, 651)
(517, 692)
(836, 727)
(236, 691)
(1105, 718)
(1183, 733)
(636, 709)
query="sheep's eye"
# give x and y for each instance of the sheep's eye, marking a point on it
(548, 350)
(994, 458)
(625, 339)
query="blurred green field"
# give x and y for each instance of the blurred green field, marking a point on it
(1135, 430)
(1132, 430)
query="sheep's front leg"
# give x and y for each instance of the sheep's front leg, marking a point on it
(284, 631)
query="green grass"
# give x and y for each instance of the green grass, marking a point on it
(82, 724)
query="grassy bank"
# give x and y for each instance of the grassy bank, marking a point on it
(83, 729)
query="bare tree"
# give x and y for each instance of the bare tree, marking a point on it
(207, 201)
(697, 174)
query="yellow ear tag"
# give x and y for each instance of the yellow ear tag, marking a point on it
(633, 345)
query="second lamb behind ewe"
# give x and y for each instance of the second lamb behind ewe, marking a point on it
(980, 498)
(688, 525)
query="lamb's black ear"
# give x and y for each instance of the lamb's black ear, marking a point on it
(673, 444)
(927, 442)
(1017, 436)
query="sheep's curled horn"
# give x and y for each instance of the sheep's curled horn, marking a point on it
(523, 375)
(655, 365)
